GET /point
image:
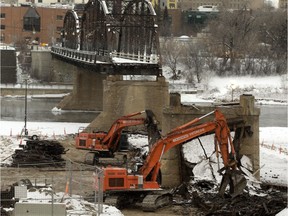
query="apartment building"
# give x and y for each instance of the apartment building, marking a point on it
(34, 24)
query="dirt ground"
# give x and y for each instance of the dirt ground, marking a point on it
(82, 184)
(173, 210)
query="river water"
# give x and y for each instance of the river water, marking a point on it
(39, 110)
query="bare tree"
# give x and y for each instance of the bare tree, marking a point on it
(273, 33)
(231, 34)
(171, 53)
(194, 60)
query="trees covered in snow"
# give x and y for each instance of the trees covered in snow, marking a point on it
(240, 42)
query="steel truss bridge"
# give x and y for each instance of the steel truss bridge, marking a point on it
(113, 37)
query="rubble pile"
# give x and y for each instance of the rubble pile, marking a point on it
(203, 195)
(38, 153)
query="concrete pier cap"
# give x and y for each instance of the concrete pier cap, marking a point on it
(174, 170)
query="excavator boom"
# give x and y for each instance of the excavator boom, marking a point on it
(186, 133)
(105, 144)
(118, 179)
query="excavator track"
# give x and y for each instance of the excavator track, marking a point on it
(156, 200)
(120, 201)
(112, 200)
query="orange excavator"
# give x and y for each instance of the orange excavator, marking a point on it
(104, 145)
(143, 185)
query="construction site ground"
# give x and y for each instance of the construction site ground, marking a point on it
(201, 204)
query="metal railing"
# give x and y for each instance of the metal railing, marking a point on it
(137, 58)
(90, 57)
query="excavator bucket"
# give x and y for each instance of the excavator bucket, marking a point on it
(236, 181)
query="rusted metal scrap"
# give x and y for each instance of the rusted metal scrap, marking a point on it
(244, 204)
(203, 195)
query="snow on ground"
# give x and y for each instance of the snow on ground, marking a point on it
(273, 140)
(272, 160)
(273, 155)
(75, 205)
(266, 90)
(273, 145)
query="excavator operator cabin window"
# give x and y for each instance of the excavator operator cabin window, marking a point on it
(116, 182)
(82, 142)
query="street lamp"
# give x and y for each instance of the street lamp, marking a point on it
(25, 106)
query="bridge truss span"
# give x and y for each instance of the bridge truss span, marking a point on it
(120, 33)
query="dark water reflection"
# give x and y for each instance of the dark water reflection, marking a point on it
(39, 110)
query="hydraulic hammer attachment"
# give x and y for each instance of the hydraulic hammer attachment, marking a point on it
(236, 181)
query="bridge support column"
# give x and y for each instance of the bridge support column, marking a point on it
(122, 97)
(174, 170)
(250, 145)
(87, 92)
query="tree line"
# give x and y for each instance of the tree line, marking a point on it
(240, 42)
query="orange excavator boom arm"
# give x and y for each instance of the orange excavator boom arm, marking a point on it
(112, 138)
(186, 133)
(113, 135)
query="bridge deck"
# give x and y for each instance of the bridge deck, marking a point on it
(103, 61)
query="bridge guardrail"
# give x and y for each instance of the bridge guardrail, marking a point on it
(153, 58)
(79, 55)
(90, 57)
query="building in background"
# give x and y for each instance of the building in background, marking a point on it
(38, 25)
(8, 65)
(231, 4)
(170, 4)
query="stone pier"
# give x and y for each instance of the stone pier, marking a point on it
(87, 92)
(177, 114)
(122, 97)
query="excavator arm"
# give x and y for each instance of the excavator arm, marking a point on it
(141, 186)
(108, 141)
(112, 138)
(186, 133)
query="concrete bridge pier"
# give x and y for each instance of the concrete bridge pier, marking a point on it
(87, 91)
(174, 115)
(250, 144)
(122, 97)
